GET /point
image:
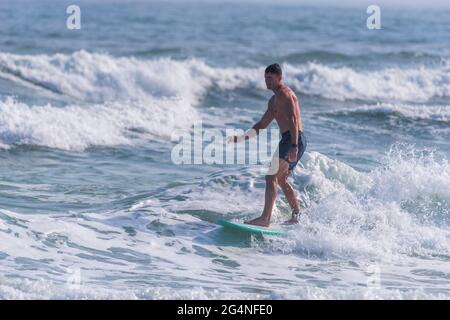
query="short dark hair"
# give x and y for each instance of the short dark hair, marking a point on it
(275, 69)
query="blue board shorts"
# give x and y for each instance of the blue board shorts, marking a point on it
(285, 144)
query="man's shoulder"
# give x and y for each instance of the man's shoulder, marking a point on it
(287, 93)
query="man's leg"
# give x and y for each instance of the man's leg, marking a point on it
(271, 194)
(290, 195)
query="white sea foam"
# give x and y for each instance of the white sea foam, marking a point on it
(379, 214)
(411, 112)
(39, 289)
(76, 127)
(342, 83)
(110, 94)
(100, 77)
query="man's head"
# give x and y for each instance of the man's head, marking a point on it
(273, 76)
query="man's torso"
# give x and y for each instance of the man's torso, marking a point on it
(279, 109)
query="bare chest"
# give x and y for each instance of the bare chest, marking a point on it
(277, 109)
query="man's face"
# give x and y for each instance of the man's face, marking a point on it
(272, 80)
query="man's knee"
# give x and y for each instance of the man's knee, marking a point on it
(283, 180)
(271, 179)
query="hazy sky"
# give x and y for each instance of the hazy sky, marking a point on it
(388, 3)
(333, 3)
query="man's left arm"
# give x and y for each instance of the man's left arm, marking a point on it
(293, 127)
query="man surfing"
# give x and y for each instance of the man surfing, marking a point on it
(283, 106)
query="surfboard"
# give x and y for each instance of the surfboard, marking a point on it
(236, 226)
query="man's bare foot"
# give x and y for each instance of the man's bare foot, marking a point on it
(293, 220)
(260, 221)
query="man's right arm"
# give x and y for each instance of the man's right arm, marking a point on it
(265, 121)
(254, 131)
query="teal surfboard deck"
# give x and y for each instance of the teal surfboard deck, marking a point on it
(250, 228)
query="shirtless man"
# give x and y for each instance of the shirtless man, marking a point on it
(284, 108)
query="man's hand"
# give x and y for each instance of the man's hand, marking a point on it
(292, 154)
(247, 135)
(233, 139)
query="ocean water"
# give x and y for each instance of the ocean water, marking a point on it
(92, 206)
